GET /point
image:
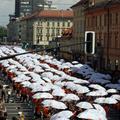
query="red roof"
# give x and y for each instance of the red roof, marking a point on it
(51, 14)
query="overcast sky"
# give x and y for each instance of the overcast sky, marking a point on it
(7, 7)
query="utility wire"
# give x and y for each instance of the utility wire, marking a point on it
(39, 50)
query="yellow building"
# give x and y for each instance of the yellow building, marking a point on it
(43, 26)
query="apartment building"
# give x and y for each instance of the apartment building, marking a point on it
(43, 26)
(104, 19)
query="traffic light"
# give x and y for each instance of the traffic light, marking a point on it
(89, 42)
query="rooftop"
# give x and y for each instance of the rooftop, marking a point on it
(51, 14)
(104, 4)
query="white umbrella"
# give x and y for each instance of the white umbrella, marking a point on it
(116, 96)
(97, 93)
(112, 91)
(100, 100)
(80, 81)
(38, 69)
(61, 118)
(56, 78)
(82, 89)
(54, 104)
(42, 95)
(75, 62)
(58, 92)
(41, 88)
(19, 80)
(97, 87)
(22, 77)
(70, 97)
(92, 114)
(110, 100)
(46, 79)
(47, 74)
(36, 77)
(26, 83)
(84, 105)
(100, 109)
(35, 85)
(63, 114)
(59, 83)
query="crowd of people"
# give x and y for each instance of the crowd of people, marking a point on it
(32, 74)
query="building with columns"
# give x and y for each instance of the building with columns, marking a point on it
(43, 26)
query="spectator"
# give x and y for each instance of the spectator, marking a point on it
(14, 118)
(9, 94)
(3, 94)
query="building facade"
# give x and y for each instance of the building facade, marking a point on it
(79, 28)
(44, 26)
(104, 19)
(26, 7)
(66, 52)
(14, 33)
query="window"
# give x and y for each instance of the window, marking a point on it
(37, 31)
(63, 24)
(48, 24)
(41, 31)
(41, 38)
(88, 21)
(100, 19)
(38, 40)
(58, 24)
(48, 31)
(96, 21)
(116, 39)
(53, 31)
(93, 21)
(110, 40)
(110, 18)
(58, 31)
(68, 24)
(39, 23)
(116, 20)
(47, 38)
(105, 20)
(53, 24)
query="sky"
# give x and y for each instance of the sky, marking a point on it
(8, 6)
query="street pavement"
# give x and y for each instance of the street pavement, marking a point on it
(15, 103)
(12, 109)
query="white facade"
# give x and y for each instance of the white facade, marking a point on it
(46, 30)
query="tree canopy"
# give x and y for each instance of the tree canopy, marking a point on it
(3, 32)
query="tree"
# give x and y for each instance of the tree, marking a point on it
(3, 32)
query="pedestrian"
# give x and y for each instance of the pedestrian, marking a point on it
(3, 94)
(14, 118)
(9, 94)
(22, 116)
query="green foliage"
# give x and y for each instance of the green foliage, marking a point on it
(3, 32)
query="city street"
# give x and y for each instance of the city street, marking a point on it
(41, 76)
(59, 59)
